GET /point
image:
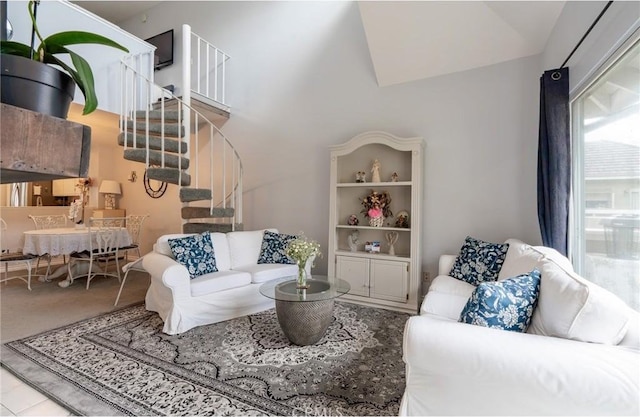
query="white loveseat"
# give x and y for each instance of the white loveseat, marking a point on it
(579, 356)
(232, 291)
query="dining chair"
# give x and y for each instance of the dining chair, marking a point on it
(134, 227)
(49, 221)
(131, 266)
(7, 257)
(104, 247)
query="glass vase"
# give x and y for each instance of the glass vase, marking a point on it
(302, 277)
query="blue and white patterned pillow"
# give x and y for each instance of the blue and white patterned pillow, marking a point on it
(273, 248)
(195, 253)
(506, 305)
(479, 261)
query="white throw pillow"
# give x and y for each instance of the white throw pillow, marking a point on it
(571, 307)
(522, 258)
(447, 297)
(162, 244)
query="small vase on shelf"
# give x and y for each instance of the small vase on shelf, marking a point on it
(376, 221)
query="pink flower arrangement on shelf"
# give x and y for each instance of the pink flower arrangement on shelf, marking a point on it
(377, 205)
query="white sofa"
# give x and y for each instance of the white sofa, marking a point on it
(579, 356)
(232, 291)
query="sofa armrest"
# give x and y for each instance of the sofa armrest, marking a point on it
(479, 362)
(168, 272)
(445, 264)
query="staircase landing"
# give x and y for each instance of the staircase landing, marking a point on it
(216, 112)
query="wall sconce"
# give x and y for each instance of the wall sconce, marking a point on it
(133, 176)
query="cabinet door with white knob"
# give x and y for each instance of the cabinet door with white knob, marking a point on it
(356, 272)
(389, 280)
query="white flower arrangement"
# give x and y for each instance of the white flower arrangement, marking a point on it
(74, 209)
(77, 206)
(301, 249)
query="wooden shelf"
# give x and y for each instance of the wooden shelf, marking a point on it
(38, 147)
(397, 229)
(374, 184)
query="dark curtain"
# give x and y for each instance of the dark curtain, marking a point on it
(554, 159)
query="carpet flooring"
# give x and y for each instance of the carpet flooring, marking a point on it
(48, 306)
(120, 363)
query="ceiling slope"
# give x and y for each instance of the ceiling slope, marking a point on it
(409, 41)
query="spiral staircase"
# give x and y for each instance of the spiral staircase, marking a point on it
(178, 139)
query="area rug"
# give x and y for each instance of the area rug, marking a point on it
(122, 364)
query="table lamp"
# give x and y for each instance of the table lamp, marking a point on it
(109, 188)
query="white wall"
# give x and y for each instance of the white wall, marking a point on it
(301, 79)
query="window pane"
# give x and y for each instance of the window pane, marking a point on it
(606, 121)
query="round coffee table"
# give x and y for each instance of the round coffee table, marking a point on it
(305, 314)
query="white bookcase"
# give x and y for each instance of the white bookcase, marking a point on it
(377, 279)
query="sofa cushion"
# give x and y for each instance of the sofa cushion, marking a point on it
(573, 308)
(218, 281)
(447, 297)
(195, 253)
(266, 272)
(244, 247)
(522, 258)
(162, 244)
(273, 248)
(479, 261)
(505, 305)
(221, 249)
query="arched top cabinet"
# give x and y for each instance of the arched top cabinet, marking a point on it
(359, 250)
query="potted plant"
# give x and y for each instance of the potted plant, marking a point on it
(28, 80)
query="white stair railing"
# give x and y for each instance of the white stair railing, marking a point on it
(207, 68)
(215, 165)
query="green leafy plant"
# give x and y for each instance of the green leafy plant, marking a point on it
(56, 44)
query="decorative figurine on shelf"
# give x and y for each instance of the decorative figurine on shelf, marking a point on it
(353, 220)
(402, 220)
(394, 177)
(392, 238)
(361, 176)
(353, 240)
(375, 171)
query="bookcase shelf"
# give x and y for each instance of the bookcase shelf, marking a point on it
(378, 279)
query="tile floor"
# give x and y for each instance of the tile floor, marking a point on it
(19, 399)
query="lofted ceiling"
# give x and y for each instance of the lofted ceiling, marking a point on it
(412, 40)
(116, 11)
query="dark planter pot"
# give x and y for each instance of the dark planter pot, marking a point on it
(36, 86)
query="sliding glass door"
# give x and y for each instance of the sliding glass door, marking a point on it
(606, 181)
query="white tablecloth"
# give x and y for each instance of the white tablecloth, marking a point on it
(63, 241)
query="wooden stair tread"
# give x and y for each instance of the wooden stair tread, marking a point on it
(155, 158)
(155, 143)
(205, 212)
(170, 175)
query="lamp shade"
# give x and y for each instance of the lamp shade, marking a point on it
(109, 187)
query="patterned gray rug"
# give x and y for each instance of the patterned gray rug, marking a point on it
(122, 364)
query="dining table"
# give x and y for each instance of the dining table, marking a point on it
(65, 241)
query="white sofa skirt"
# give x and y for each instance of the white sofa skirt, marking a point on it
(460, 369)
(181, 311)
